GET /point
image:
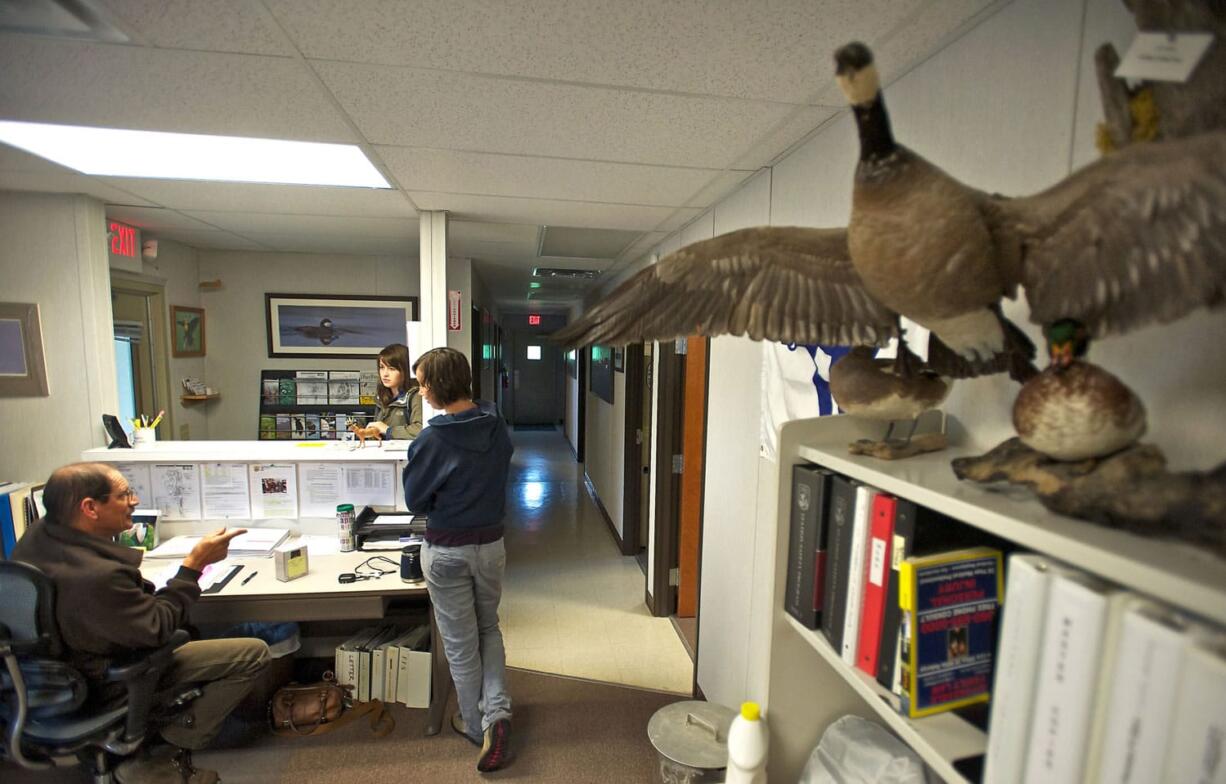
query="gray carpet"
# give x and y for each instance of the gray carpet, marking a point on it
(565, 730)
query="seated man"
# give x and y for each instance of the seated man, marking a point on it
(104, 608)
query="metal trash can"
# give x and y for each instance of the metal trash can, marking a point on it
(691, 738)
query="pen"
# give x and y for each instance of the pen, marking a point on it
(248, 578)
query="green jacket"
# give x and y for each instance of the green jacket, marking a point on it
(402, 416)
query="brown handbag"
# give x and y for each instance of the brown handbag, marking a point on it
(316, 708)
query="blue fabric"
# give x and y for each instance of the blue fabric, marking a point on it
(457, 470)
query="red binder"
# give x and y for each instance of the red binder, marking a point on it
(877, 567)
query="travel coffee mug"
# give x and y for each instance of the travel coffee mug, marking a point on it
(410, 564)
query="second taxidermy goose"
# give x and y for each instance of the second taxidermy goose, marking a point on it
(1135, 238)
(873, 388)
(1075, 410)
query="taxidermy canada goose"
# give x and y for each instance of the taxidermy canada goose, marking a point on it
(1134, 238)
(1075, 410)
(874, 389)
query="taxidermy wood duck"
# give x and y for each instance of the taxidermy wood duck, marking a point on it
(873, 388)
(1075, 410)
(1135, 238)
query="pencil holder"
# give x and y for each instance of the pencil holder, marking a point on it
(144, 438)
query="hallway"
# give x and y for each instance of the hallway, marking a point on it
(572, 604)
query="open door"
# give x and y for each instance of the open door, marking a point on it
(693, 453)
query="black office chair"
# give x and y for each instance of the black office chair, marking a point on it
(46, 717)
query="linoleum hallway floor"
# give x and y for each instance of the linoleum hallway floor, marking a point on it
(572, 604)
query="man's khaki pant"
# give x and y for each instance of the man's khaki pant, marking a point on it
(226, 670)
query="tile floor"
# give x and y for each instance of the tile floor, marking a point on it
(571, 603)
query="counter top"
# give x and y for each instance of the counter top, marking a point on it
(252, 452)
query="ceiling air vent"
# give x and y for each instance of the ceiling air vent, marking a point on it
(561, 272)
(80, 19)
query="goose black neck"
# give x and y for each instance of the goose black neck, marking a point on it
(873, 123)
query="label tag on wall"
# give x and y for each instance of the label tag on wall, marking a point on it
(453, 311)
(1162, 57)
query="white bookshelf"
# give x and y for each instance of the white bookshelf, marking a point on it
(809, 684)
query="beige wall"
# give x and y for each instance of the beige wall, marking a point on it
(237, 336)
(54, 254)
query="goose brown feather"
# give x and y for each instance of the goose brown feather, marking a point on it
(774, 283)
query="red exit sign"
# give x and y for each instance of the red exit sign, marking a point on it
(534, 319)
(123, 240)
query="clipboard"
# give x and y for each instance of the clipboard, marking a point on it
(223, 582)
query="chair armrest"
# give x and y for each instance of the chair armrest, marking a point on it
(141, 673)
(142, 661)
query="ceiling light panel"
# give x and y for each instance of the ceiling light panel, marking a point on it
(184, 156)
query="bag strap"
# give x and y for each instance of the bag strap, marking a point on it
(381, 721)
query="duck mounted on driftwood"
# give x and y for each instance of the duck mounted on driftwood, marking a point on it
(1075, 410)
(1135, 238)
(872, 388)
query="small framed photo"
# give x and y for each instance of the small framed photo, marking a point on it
(337, 327)
(188, 324)
(619, 359)
(23, 369)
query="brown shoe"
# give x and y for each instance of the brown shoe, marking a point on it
(174, 769)
(457, 724)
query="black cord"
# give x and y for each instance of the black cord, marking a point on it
(373, 563)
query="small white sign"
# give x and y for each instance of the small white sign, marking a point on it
(1164, 58)
(453, 311)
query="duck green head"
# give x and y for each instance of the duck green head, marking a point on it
(1066, 340)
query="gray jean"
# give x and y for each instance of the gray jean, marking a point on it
(465, 585)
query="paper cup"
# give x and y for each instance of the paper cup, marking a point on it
(144, 438)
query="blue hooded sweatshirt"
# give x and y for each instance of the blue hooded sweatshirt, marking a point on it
(457, 476)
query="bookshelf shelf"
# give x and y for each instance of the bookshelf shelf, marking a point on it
(1168, 570)
(808, 684)
(198, 398)
(939, 739)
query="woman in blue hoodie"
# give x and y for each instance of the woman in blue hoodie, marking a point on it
(457, 476)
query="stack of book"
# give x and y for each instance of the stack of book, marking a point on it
(21, 503)
(1099, 684)
(847, 547)
(388, 664)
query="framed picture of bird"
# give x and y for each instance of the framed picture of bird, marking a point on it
(337, 327)
(188, 324)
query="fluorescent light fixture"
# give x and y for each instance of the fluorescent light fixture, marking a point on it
(188, 156)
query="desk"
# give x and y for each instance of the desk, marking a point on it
(319, 597)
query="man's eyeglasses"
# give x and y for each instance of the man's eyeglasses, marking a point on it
(126, 495)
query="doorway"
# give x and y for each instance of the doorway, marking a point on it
(141, 350)
(536, 378)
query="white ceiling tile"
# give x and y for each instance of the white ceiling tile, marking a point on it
(164, 90)
(493, 232)
(253, 223)
(545, 211)
(491, 250)
(542, 178)
(718, 187)
(213, 240)
(257, 197)
(362, 246)
(760, 51)
(155, 219)
(66, 183)
(18, 160)
(772, 145)
(678, 219)
(412, 107)
(217, 26)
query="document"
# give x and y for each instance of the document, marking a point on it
(320, 489)
(369, 484)
(176, 491)
(343, 387)
(137, 475)
(225, 491)
(274, 491)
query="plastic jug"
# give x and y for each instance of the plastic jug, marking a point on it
(747, 746)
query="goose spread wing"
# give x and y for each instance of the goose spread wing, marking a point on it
(770, 283)
(1135, 238)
